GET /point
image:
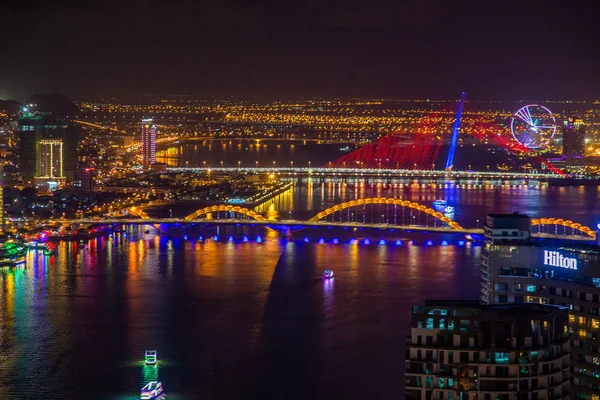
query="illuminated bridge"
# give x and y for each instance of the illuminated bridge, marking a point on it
(376, 213)
(376, 173)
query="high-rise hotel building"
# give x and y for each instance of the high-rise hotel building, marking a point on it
(148, 143)
(517, 268)
(573, 141)
(37, 127)
(464, 350)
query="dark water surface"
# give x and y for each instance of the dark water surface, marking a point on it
(229, 320)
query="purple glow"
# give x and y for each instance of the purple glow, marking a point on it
(444, 243)
(321, 241)
(230, 239)
(306, 240)
(398, 242)
(245, 239)
(335, 241)
(258, 239)
(382, 241)
(366, 241)
(215, 238)
(429, 243)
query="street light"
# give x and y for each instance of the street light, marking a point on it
(221, 164)
(239, 164)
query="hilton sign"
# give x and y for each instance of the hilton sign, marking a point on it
(555, 259)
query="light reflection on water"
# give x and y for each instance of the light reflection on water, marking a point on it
(229, 320)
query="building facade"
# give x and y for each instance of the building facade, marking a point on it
(34, 127)
(50, 156)
(547, 271)
(148, 143)
(573, 139)
(463, 350)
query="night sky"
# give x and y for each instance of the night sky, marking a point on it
(281, 49)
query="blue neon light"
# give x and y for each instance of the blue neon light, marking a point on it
(306, 240)
(398, 242)
(185, 237)
(230, 239)
(444, 243)
(215, 237)
(429, 243)
(454, 141)
(258, 239)
(200, 238)
(335, 241)
(461, 242)
(366, 241)
(352, 241)
(245, 239)
(381, 241)
(321, 241)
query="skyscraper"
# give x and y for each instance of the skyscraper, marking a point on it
(50, 155)
(469, 351)
(148, 143)
(33, 127)
(573, 137)
(516, 268)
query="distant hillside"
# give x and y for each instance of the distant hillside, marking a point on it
(55, 103)
(10, 106)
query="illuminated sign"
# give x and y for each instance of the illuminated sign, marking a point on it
(555, 259)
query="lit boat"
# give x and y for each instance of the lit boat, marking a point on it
(150, 357)
(151, 391)
(328, 274)
(440, 203)
(448, 210)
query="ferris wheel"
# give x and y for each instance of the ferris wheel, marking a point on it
(533, 126)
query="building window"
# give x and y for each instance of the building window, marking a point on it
(429, 324)
(502, 298)
(595, 324)
(502, 358)
(518, 287)
(464, 325)
(519, 299)
(531, 288)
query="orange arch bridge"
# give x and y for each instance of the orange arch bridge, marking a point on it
(564, 222)
(228, 208)
(390, 201)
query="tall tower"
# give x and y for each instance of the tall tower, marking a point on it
(148, 143)
(455, 129)
(573, 137)
(50, 153)
(34, 127)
